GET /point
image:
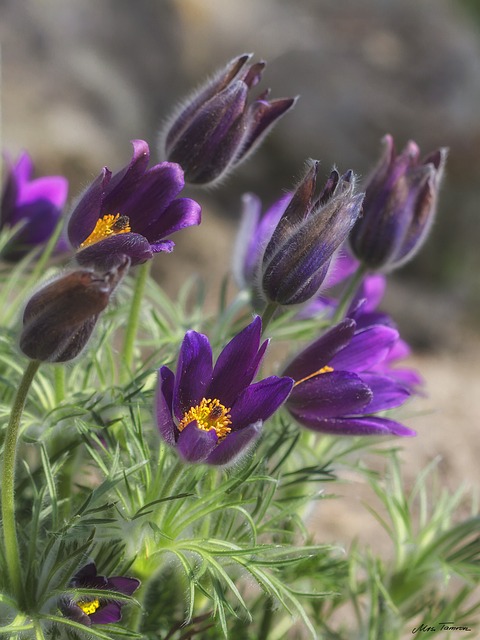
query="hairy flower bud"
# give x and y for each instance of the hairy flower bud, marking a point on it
(299, 253)
(399, 206)
(216, 129)
(59, 318)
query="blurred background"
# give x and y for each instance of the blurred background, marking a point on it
(81, 78)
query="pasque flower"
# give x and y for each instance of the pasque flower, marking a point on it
(339, 385)
(34, 205)
(216, 128)
(300, 251)
(89, 610)
(58, 320)
(212, 414)
(131, 213)
(399, 206)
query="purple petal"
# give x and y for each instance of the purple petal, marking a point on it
(72, 611)
(163, 405)
(365, 350)
(246, 249)
(194, 444)
(236, 365)
(85, 574)
(364, 426)
(194, 373)
(235, 444)
(126, 181)
(23, 168)
(330, 395)
(53, 189)
(180, 214)
(259, 401)
(387, 393)
(123, 585)
(261, 117)
(342, 267)
(87, 211)
(167, 246)
(111, 612)
(321, 352)
(104, 254)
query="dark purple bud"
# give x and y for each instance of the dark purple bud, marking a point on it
(59, 319)
(399, 206)
(216, 128)
(298, 256)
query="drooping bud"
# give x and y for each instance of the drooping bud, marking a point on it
(59, 318)
(298, 256)
(216, 128)
(399, 206)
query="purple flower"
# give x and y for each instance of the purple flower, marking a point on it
(299, 254)
(339, 386)
(213, 414)
(131, 213)
(89, 610)
(215, 128)
(35, 205)
(399, 206)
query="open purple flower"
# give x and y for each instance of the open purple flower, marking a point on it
(215, 128)
(35, 205)
(213, 414)
(399, 206)
(89, 610)
(131, 213)
(339, 387)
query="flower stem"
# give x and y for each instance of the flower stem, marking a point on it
(59, 383)
(12, 554)
(267, 314)
(348, 293)
(133, 318)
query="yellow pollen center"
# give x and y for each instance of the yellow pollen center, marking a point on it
(209, 414)
(89, 606)
(109, 225)
(325, 369)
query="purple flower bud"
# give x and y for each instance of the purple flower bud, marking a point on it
(399, 206)
(299, 253)
(59, 318)
(215, 128)
(35, 206)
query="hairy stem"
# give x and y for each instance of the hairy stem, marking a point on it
(133, 318)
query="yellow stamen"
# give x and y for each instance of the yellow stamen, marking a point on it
(325, 369)
(89, 606)
(209, 414)
(109, 225)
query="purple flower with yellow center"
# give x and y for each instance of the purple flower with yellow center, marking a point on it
(90, 610)
(216, 129)
(339, 388)
(131, 213)
(312, 228)
(35, 206)
(399, 206)
(214, 414)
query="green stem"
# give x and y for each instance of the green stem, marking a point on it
(12, 554)
(348, 293)
(59, 382)
(267, 314)
(143, 273)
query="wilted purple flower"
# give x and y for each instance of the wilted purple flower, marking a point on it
(399, 206)
(339, 387)
(131, 213)
(299, 254)
(35, 205)
(59, 318)
(215, 128)
(213, 414)
(89, 610)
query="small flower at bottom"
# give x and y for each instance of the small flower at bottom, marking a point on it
(35, 205)
(340, 387)
(93, 609)
(214, 414)
(131, 213)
